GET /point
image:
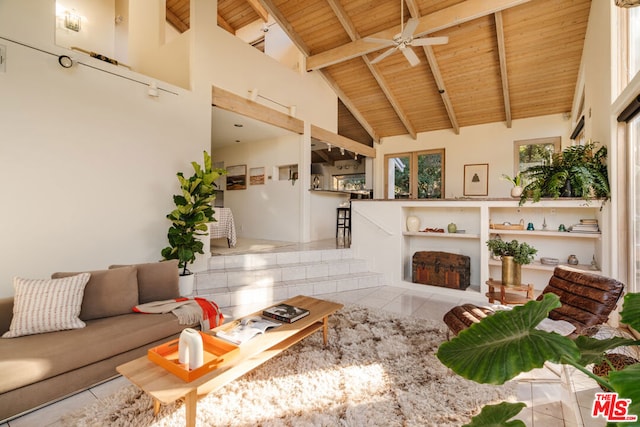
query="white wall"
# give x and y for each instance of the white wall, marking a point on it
(272, 210)
(88, 159)
(490, 143)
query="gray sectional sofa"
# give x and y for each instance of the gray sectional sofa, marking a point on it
(40, 368)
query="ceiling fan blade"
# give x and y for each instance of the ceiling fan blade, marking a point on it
(411, 56)
(386, 42)
(430, 41)
(409, 28)
(383, 55)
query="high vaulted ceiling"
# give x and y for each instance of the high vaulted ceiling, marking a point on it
(505, 59)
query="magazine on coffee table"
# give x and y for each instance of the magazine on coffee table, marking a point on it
(246, 329)
(285, 313)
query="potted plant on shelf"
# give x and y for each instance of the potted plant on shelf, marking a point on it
(513, 255)
(516, 191)
(190, 217)
(511, 338)
(578, 171)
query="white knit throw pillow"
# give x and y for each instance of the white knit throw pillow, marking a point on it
(46, 305)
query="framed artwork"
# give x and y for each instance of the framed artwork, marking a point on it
(237, 177)
(256, 176)
(476, 179)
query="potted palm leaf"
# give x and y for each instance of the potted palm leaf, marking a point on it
(578, 171)
(189, 219)
(507, 343)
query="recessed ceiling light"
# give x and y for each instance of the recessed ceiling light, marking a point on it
(237, 140)
(238, 125)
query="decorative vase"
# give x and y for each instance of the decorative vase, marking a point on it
(413, 223)
(572, 260)
(516, 191)
(511, 272)
(190, 348)
(452, 228)
(185, 284)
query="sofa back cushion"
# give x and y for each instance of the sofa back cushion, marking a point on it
(587, 299)
(42, 305)
(108, 293)
(157, 281)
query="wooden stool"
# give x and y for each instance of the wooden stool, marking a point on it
(506, 298)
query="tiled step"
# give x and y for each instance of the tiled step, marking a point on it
(264, 278)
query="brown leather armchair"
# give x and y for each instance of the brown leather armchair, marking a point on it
(587, 300)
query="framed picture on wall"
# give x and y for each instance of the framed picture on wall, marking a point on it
(256, 176)
(237, 177)
(476, 179)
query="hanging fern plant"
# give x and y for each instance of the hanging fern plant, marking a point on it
(578, 171)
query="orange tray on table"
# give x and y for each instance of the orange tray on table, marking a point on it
(216, 351)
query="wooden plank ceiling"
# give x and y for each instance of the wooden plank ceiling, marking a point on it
(505, 59)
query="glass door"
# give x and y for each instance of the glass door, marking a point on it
(415, 175)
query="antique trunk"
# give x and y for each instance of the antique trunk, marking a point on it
(441, 269)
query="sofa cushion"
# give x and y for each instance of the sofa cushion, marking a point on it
(27, 360)
(42, 305)
(108, 293)
(157, 281)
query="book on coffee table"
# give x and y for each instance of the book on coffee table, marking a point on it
(285, 313)
(246, 329)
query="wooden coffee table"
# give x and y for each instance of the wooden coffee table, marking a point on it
(166, 388)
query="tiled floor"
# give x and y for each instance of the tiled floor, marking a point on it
(549, 402)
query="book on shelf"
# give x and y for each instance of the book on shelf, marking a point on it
(246, 329)
(285, 313)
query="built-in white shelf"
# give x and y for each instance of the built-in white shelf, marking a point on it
(542, 233)
(432, 234)
(537, 265)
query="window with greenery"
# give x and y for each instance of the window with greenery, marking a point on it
(532, 152)
(415, 175)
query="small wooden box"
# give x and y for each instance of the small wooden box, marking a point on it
(441, 269)
(216, 351)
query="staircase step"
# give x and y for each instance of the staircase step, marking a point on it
(264, 278)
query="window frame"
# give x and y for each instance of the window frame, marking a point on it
(555, 140)
(413, 172)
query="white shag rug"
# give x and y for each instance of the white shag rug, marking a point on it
(378, 370)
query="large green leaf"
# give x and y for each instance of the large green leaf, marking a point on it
(505, 344)
(592, 349)
(498, 416)
(631, 311)
(625, 383)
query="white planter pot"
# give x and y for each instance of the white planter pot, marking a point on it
(185, 283)
(516, 191)
(413, 223)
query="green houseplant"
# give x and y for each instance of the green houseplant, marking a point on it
(513, 255)
(517, 182)
(578, 171)
(192, 213)
(507, 343)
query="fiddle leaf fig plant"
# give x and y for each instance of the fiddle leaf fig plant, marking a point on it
(507, 343)
(192, 213)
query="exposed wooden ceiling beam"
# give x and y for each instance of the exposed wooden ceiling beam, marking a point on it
(173, 19)
(260, 10)
(301, 45)
(324, 156)
(448, 105)
(341, 141)
(285, 25)
(502, 54)
(444, 18)
(224, 24)
(435, 70)
(352, 108)
(246, 107)
(353, 34)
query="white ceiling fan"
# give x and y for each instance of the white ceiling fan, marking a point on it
(405, 40)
